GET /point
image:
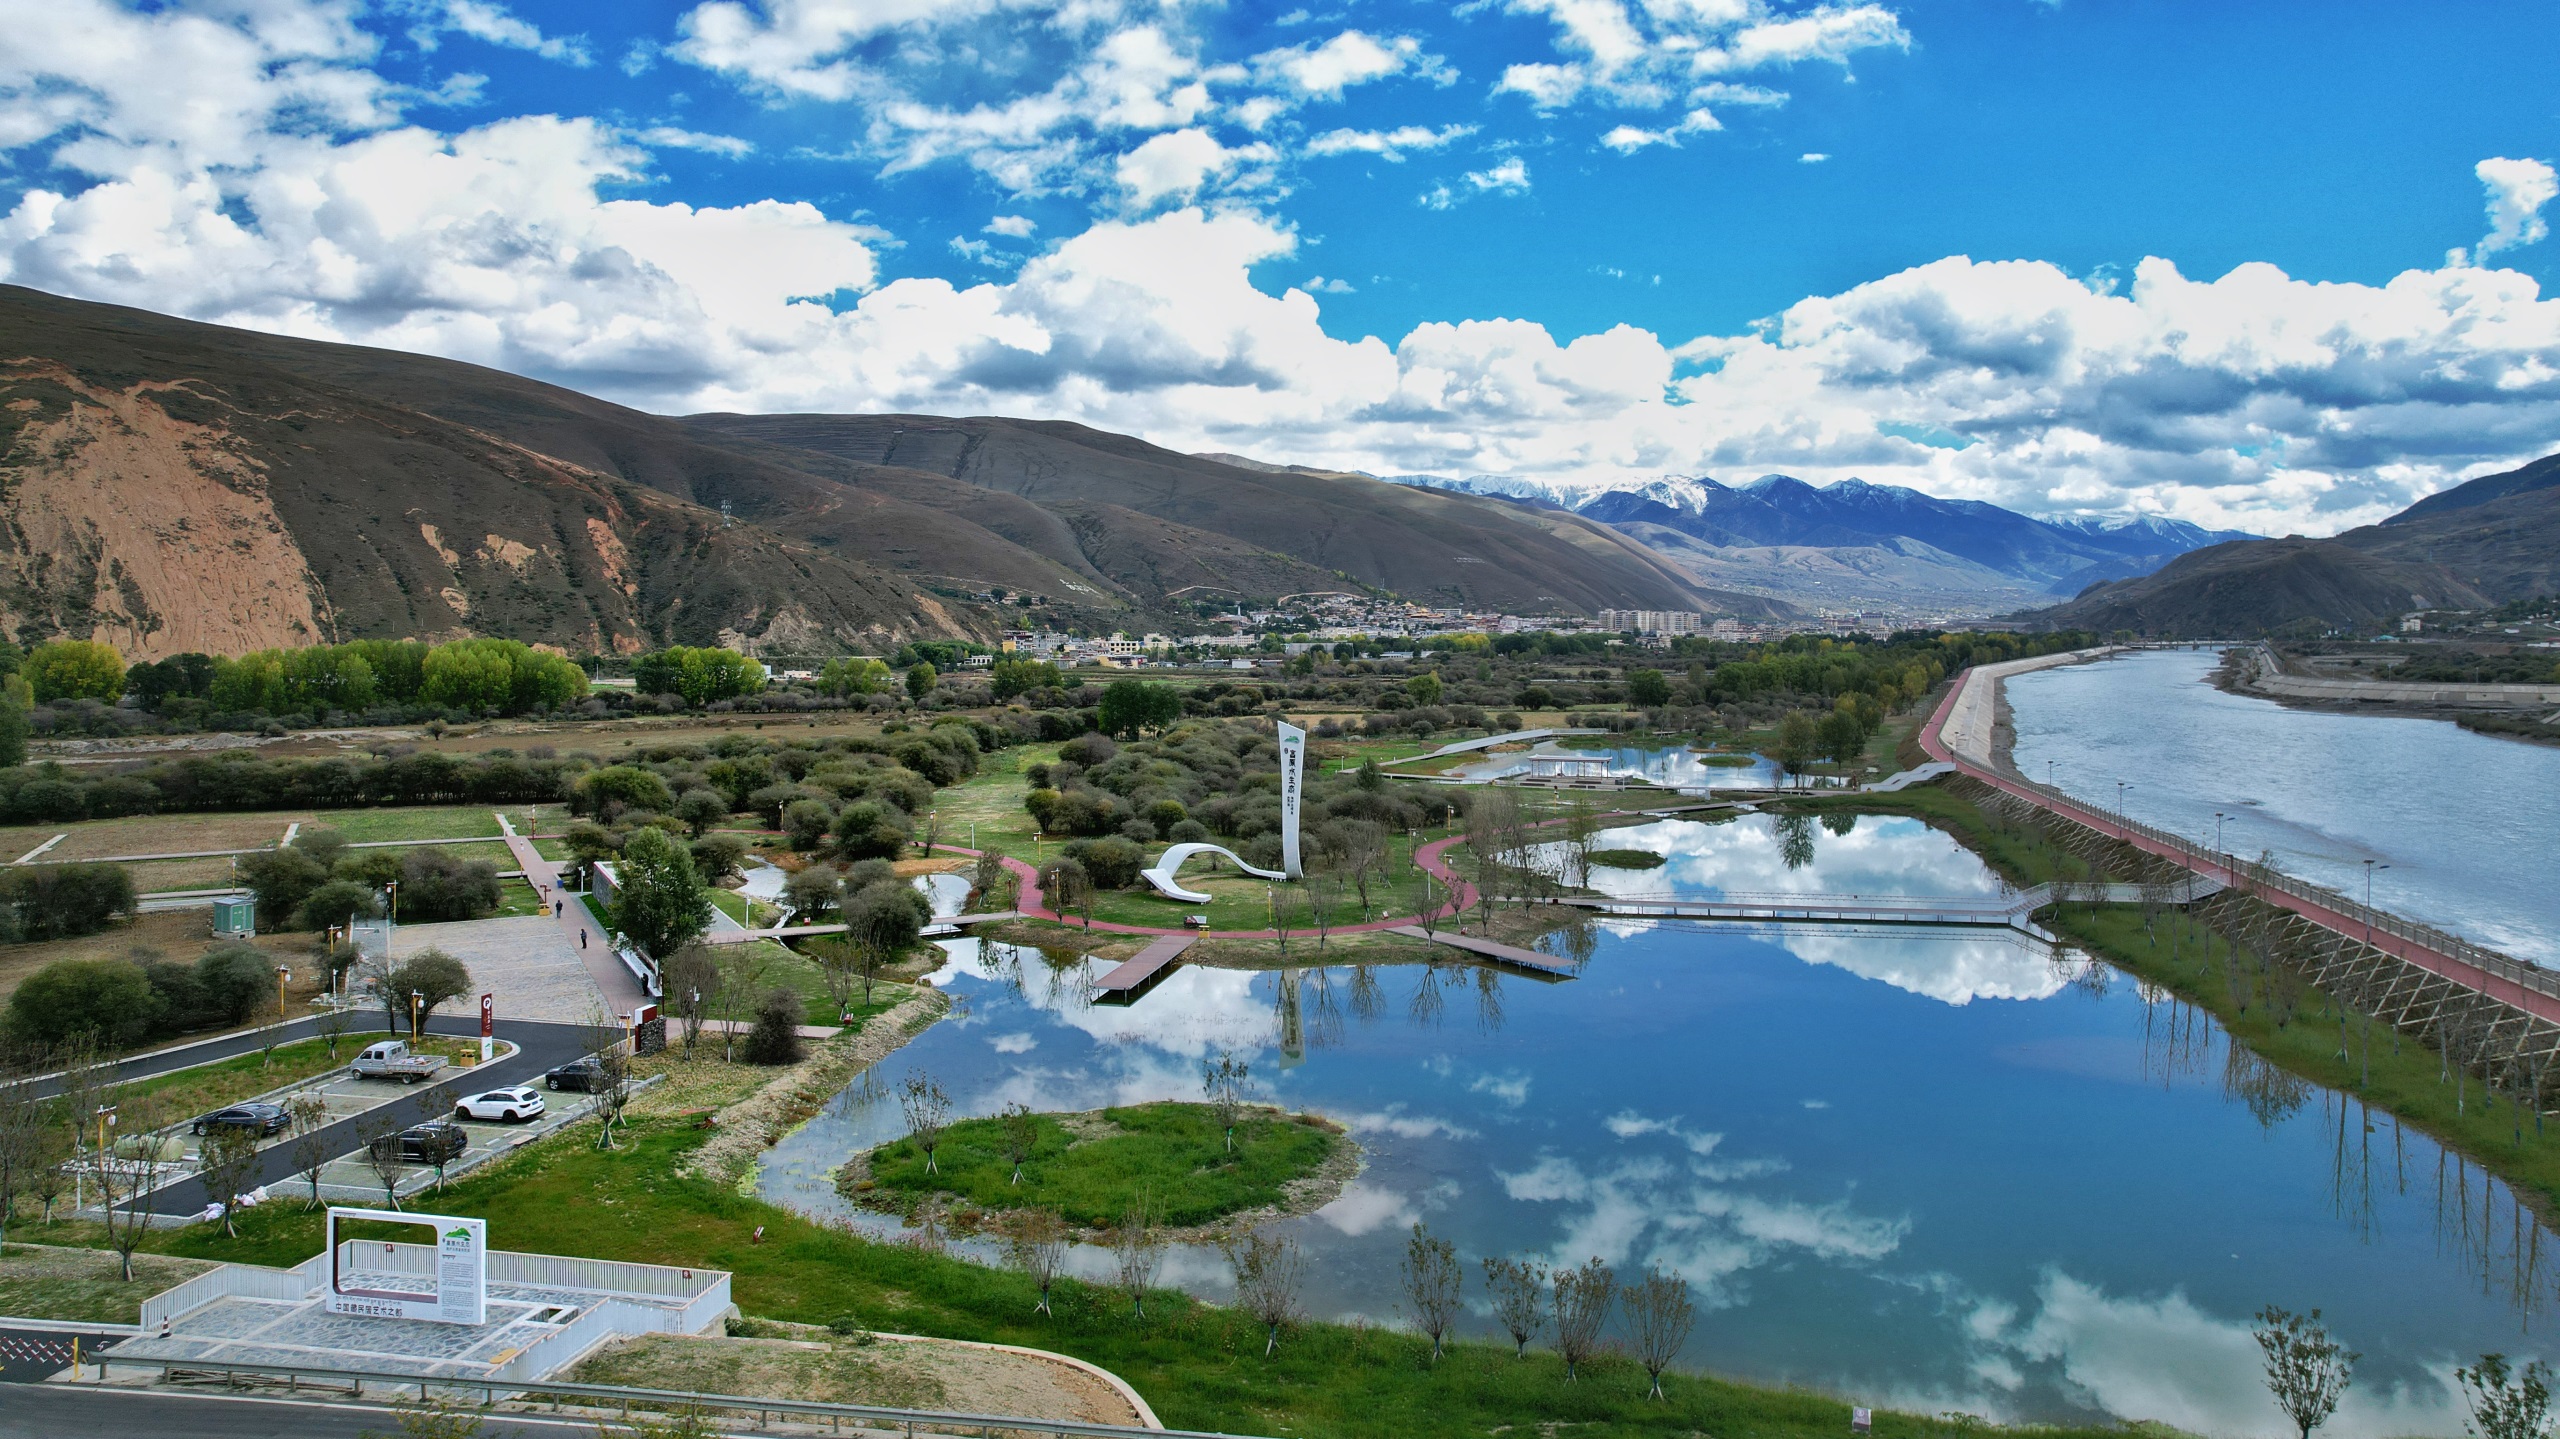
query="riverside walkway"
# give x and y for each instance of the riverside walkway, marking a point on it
(1960, 732)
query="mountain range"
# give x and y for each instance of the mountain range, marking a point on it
(1858, 543)
(168, 485)
(2484, 542)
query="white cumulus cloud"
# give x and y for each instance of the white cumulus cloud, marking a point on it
(2518, 189)
(1174, 165)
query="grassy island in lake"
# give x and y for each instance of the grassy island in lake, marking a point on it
(1092, 1167)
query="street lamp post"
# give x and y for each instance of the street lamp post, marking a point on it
(2369, 867)
(282, 974)
(417, 997)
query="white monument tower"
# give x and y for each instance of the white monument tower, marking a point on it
(1293, 765)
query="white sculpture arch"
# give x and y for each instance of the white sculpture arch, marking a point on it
(1171, 861)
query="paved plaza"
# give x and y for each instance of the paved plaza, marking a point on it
(527, 962)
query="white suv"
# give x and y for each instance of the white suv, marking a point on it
(508, 1105)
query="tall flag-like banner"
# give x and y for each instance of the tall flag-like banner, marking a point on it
(1293, 766)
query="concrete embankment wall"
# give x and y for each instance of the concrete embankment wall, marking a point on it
(1973, 715)
(2268, 678)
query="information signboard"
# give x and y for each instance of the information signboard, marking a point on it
(454, 1291)
(1293, 765)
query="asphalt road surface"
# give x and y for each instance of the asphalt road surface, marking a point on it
(28, 1355)
(540, 1047)
(56, 1411)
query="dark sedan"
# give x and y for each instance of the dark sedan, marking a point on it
(438, 1141)
(581, 1075)
(259, 1119)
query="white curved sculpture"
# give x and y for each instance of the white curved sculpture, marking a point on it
(1171, 861)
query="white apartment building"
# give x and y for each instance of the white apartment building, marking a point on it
(1650, 622)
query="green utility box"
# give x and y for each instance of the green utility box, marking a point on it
(235, 917)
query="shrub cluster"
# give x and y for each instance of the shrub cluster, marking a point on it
(59, 901)
(122, 1002)
(318, 881)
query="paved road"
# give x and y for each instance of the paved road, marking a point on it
(55, 1411)
(367, 1024)
(540, 1047)
(28, 1355)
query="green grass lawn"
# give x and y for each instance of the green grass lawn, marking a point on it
(362, 826)
(1199, 1366)
(1173, 1154)
(516, 897)
(774, 965)
(85, 1285)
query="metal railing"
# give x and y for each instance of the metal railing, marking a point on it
(612, 1399)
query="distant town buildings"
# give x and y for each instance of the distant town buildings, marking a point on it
(1651, 622)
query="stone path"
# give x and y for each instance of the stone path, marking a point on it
(620, 988)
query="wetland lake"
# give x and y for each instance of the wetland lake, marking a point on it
(1936, 1169)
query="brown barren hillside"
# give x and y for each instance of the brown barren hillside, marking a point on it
(1430, 545)
(2484, 542)
(170, 485)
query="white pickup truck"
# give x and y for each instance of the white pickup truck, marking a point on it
(391, 1059)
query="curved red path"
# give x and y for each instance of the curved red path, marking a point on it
(2460, 971)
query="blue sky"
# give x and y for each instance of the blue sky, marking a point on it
(2079, 258)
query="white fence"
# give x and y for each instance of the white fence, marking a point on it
(235, 1281)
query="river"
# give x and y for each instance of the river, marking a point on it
(1935, 1169)
(2458, 826)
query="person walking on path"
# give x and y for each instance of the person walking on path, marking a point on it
(582, 939)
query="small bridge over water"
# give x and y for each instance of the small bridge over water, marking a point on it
(1985, 911)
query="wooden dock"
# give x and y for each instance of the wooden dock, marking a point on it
(1133, 977)
(1544, 966)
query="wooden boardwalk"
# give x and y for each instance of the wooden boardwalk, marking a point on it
(1545, 966)
(1132, 977)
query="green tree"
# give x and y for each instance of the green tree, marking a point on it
(618, 787)
(17, 698)
(281, 879)
(74, 669)
(1019, 677)
(2307, 1370)
(1799, 740)
(2507, 1402)
(1129, 706)
(333, 903)
(697, 676)
(1647, 689)
(58, 901)
(854, 675)
(921, 678)
(1841, 737)
(235, 981)
(430, 977)
(700, 809)
(660, 899)
(1425, 689)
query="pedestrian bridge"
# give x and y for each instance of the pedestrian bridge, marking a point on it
(2010, 911)
(1171, 861)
